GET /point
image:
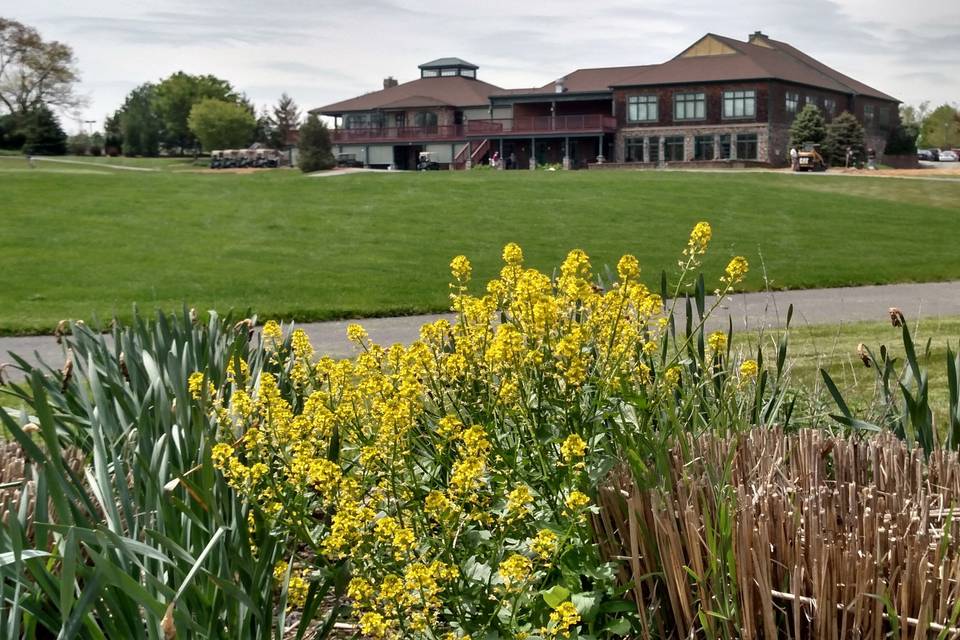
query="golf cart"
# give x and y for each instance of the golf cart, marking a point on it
(348, 160)
(216, 159)
(426, 163)
(809, 159)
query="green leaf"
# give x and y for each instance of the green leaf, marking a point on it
(8, 557)
(555, 596)
(619, 627)
(587, 604)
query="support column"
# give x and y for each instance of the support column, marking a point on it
(716, 146)
(646, 149)
(533, 153)
(600, 158)
(453, 157)
(566, 153)
(469, 163)
(733, 146)
(366, 156)
(660, 149)
(502, 161)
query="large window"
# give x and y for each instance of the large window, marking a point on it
(869, 115)
(792, 101)
(725, 146)
(468, 73)
(654, 150)
(703, 148)
(746, 146)
(355, 121)
(425, 120)
(830, 107)
(673, 149)
(689, 106)
(739, 104)
(448, 72)
(633, 150)
(429, 73)
(884, 117)
(642, 108)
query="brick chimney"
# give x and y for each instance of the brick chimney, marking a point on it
(759, 38)
(389, 81)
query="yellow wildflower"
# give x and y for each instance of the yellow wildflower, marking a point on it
(736, 270)
(219, 455)
(272, 334)
(576, 501)
(519, 501)
(512, 254)
(573, 448)
(515, 570)
(300, 344)
(544, 544)
(357, 334)
(717, 341)
(460, 269)
(561, 620)
(628, 268)
(672, 376)
(699, 239)
(374, 625)
(748, 369)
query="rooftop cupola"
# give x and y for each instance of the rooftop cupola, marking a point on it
(448, 68)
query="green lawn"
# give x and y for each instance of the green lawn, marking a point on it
(79, 240)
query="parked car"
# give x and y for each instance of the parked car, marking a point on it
(925, 154)
(948, 156)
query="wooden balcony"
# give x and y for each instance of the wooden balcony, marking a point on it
(540, 125)
(438, 133)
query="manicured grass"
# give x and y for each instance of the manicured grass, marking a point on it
(94, 242)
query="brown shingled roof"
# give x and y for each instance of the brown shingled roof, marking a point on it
(595, 80)
(750, 62)
(454, 91)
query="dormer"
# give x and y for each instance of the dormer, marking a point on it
(448, 68)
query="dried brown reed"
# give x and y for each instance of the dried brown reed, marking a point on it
(806, 535)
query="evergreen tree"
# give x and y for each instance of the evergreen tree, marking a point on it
(286, 118)
(315, 147)
(96, 144)
(264, 130)
(140, 125)
(845, 131)
(901, 141)
(113, 134)
(808, 126)
(43, 134)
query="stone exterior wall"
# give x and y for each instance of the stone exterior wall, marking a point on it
(771, 141)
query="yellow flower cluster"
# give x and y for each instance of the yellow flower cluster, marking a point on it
(717, 341)
(465, 451)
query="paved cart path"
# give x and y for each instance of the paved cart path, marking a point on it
(748, 311)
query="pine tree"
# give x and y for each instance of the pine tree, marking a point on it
(845, 131)
(43, 133)
(808, 126)
(315, 146)
(286, 118)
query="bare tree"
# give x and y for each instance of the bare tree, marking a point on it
(34, 72)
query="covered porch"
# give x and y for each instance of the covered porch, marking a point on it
(573, 151)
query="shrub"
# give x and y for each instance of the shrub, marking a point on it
(219, 124)
(845, 132)
(901, 142)
(808, 126)
(315, 148)
(79, 144)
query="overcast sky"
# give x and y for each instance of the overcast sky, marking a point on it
(320, 52)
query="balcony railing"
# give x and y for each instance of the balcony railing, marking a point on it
(543, 124)
(398, 134)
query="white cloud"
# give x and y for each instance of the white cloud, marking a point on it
(320, 52)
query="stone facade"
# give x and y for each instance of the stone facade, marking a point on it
(771, 146)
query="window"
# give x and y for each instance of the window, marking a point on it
(633, 150)
(654, 150)
(739, 104)
(355, 121)
(429, 73)
(884, 117)
(689, 106)
(830, 106)
(703, 148)
(468, 73)
(448, 72)
(673, 149)
(869, 115)
(725, 146)
(425, 120)
(747, 146)
(792, 102)
(642, 108)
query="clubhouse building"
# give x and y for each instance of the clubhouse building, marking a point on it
(720, 102)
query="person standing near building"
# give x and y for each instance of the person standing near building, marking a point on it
(794, 159)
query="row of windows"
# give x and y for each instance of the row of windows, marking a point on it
(448, 72)
(792, 103)
(704, 148)
(377, 120)
(692, 106)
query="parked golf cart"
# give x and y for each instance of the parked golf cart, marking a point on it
(348, 160)
(216, 159)
(267, 158)
(809, 159)
(426, 163)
